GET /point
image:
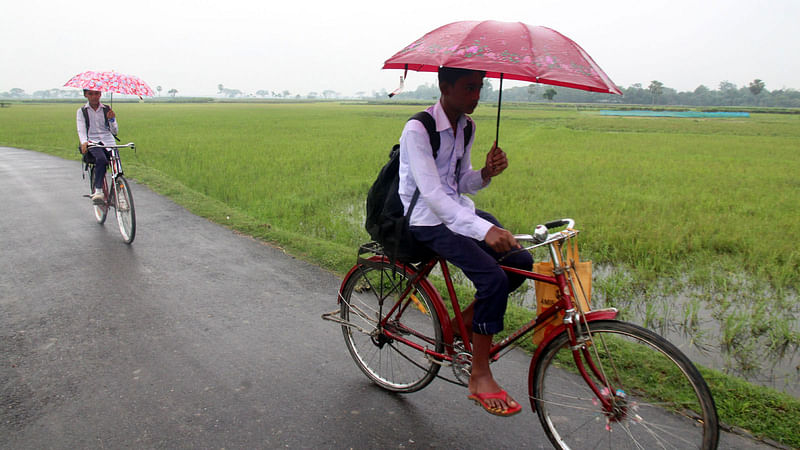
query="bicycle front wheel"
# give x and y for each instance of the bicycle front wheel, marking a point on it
(100, 211)
(126, 215)
(655, 397)
(372, 291)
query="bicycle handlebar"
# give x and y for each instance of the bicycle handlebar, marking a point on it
(540, 234)
(101, 145)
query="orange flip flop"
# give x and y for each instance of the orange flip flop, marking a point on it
(480, 399)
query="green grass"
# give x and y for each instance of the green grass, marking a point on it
(667, 202)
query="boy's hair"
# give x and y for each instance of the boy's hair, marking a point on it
(450, 75)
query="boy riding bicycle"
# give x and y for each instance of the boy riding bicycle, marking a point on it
(96, 122)
(447, 222)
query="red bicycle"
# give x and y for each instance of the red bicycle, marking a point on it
(593, 381)
(116, 191)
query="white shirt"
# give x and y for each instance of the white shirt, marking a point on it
(98, 131)
(441, 200)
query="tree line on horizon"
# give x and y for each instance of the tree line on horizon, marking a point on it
(656, 93)
(726, 94)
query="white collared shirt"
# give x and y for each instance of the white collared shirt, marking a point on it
(441, 199)
(98, 131)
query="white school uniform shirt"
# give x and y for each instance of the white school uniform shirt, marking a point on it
(98, 132)
(442, 199)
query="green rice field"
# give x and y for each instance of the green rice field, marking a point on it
(692, 224)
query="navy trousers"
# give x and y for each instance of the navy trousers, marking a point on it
(100, 164)
(479, 263)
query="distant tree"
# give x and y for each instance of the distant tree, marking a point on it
(487, 91)
(286, 93)
(16, 93)
(158, 88)
(728, 91)
(656, 88)
(327, 93)
(549, 94)
(172, 92)
(262, 93)
(312, 95)
(756, 86)
(531, 92)
(361, 94)
(220, 88)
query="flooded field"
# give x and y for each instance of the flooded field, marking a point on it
(742, 329)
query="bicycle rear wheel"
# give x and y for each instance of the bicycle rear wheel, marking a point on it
(100, 211)
(123, 203)
(658, 398)
(370, 293)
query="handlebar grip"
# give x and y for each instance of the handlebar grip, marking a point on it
(556, 224)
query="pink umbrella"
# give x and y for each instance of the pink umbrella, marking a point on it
(110, 82)
(511, 50)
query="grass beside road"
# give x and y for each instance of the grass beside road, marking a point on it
(710, 203)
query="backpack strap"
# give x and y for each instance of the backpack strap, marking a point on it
(468, 132)
(85, 111)
(106, 109)
(430, 126)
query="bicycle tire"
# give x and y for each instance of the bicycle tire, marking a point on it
(123, 204)
(660, 400)
(391, 364)
(100, 211)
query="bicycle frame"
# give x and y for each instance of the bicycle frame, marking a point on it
(114, 162)
(571, 321)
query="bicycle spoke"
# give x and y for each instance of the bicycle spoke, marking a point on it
(627, 414)
(372, 291)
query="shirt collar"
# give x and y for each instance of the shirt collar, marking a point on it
(442, 122)
(99, 107)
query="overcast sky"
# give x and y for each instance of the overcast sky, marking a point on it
(304, 46)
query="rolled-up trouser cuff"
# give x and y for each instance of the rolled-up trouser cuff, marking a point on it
(487, 327)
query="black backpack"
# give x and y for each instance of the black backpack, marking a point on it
(385, 221)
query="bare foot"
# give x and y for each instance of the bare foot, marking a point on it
(481, 381)
(485, 384)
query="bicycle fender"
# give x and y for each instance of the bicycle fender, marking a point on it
(591, 316)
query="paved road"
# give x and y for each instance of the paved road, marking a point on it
(192, 337)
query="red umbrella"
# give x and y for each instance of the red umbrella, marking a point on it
(111, 82)
(511, 50)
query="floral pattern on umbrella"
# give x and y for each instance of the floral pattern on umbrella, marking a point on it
(111, 81)
(513, 50)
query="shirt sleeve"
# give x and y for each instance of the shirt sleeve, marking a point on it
(455, 216)
(113, 126)
(470, 181)
(81, 127)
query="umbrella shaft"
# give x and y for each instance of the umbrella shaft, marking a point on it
(499, 102)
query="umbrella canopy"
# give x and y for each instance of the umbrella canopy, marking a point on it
(511, 50)
(119, 83)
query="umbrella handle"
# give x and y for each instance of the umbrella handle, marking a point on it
(499, 102)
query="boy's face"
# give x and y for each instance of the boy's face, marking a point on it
(462, 97)
(93, 97)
